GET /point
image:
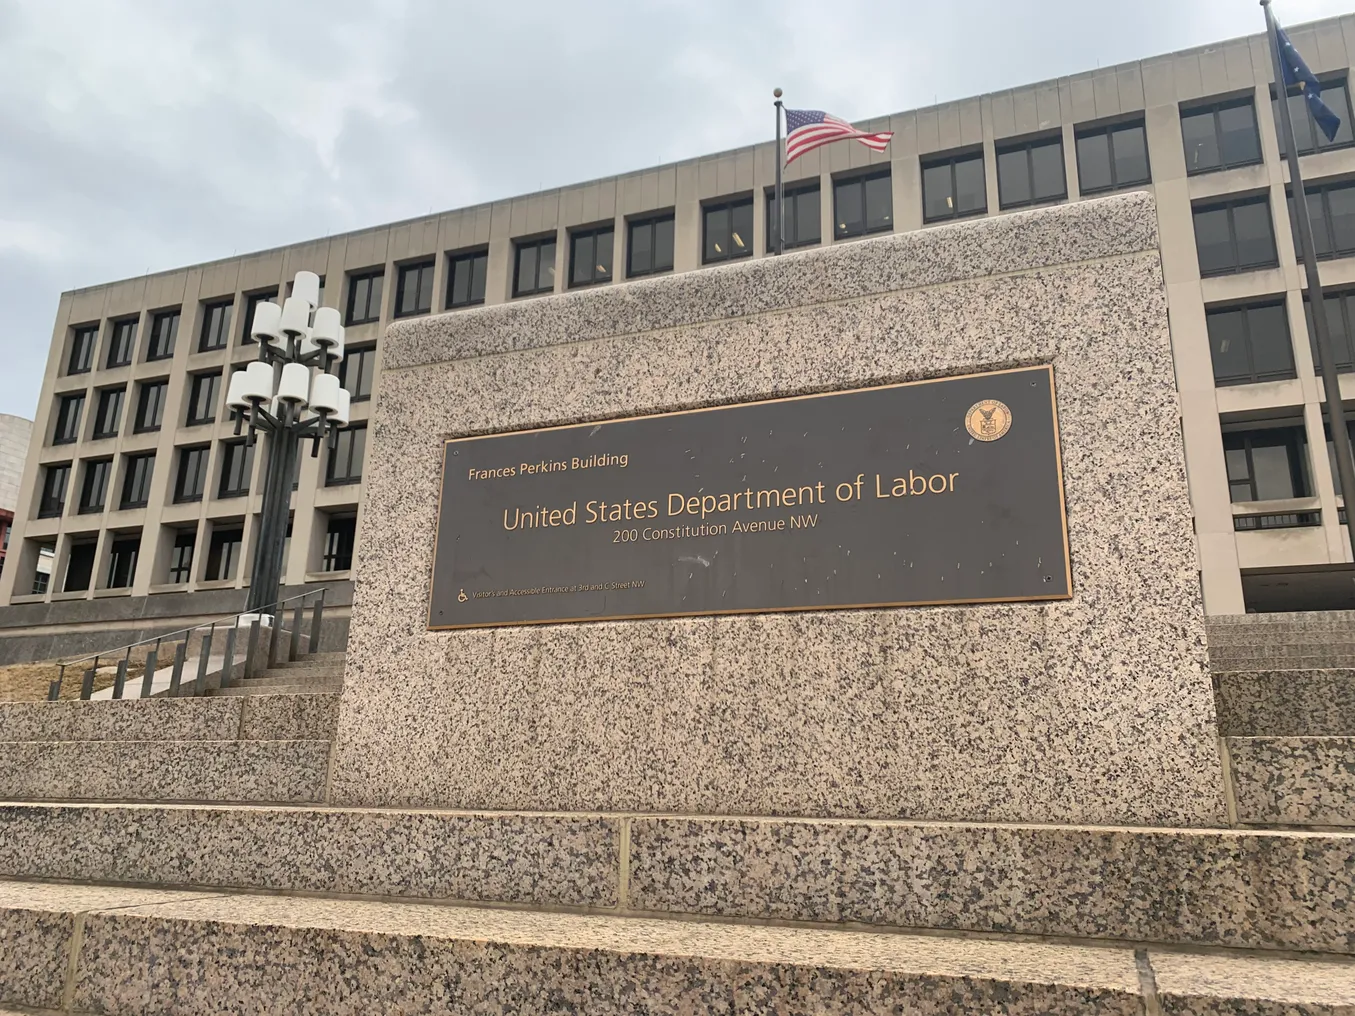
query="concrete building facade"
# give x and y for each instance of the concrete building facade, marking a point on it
(15, 434)
(138, 491)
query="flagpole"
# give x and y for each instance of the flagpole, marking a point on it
(1331, 381)
(780, 159)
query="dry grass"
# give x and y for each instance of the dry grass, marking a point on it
(28, 682)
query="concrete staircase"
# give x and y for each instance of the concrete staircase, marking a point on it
(182, 856)
(319, 673)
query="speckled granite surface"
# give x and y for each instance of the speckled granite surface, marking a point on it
(1294, 780)
(1233, 986)
(1095, 710)
(541, 859)
(1258, 890)
(289, 717)
(261, 771)
(162, 719)
(1286, 703)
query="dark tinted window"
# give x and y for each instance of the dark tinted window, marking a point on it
(534, 267)
(191, 479)
(136, 480)
(1220, 136)
(727, 229)
(364, 297)
(237, 462)
(1030, 173)
(122, 558)
(94, 487)
(80, 566)
(1307, 135)
(650, 247)
(223, 555)
(466, 279)
(55, 479)
(339, 543)
(1234, 236)
(216, 325)
(1109, 158)
(108, 414)
(1266, 465)
(69, 409)
(345, 458)
(83, 341)
(164, 330)
(202, 397)
(1250, 343)
(1340, 325)
(1331, 210)
(356, 371)
(150, 406)
(863, 204)
(802, 226)
(590, 256)
(414, 289)
(121, 343)
(252, 301)
(953, 187)
(181, 558)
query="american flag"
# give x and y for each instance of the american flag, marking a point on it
(806, 129)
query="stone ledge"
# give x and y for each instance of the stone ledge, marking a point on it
(1285, 703)
(1294, 780)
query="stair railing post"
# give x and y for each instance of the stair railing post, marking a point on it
(204, 651)
(313, 645)
(180, 652)
(54, 688)
(228, 657)
(87, 685)
(120, 681)
(294, 648)
(273, 639)
(252, 649)
(148, 675)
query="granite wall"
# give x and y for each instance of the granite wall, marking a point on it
(1094, 710)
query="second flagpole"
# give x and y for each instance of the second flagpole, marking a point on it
(780, 160)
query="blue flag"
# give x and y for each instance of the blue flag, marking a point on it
(1296, 72)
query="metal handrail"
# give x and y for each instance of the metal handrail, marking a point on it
(254, 664)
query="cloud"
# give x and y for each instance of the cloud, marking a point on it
(148, 134)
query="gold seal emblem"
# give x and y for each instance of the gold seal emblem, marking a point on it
(988, 420)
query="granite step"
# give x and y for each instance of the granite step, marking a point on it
(270, 717)
(1325, 661)
(1294, 781)
(1285, 703)
(1306, 617)
(87, 947)
(1254, 889)
(259, 686)
(331, 660)
(1282, 650)
(201, 770)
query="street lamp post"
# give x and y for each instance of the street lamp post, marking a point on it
(289, 395)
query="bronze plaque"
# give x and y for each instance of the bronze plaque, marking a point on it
(942, 491)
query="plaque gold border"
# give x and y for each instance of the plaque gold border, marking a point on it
(1048, 368)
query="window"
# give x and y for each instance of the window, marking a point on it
(413, 290)
(534, 267)
(1266, 465)
(54, 481)
(1331, 455)
(1250, 343)
(345, 458)
(216, 325)
(202, 398)
(590, 255)
(109, 412)
(42, 572)
(80, 566)
(1234, 236)
(237, 463)
(94, 488)
(466, 275)
(164, 330)
(1221, 135)
(1307, 135)
(356, 371)
(364, 297)
(252, 302)
(150, 406)
(727, 228)
(1340, 316)
(650, 249)
(83, 341)
(1109, 158)
(181, 558)
(953, 187)
(68, 411)
(803, 225)
(1031, 173)
(1331, 210)
(863, 204)
(122, 561)
(339, 543)
(223, 554)
(136, 480)
(122, 344)
(191, 479)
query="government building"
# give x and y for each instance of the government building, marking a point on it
(139, 504)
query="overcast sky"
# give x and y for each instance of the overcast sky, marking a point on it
(141, 135)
